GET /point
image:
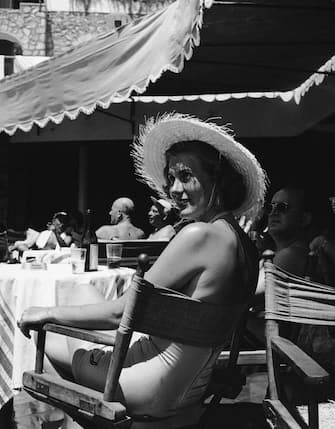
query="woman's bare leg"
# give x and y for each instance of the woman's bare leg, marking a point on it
(58, 348)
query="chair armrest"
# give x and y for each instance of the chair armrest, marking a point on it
(301, 363)
(245, 357)
(82, 334)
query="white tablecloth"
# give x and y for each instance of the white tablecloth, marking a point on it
(21, 288)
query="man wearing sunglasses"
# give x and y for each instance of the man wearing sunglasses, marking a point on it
(289, 225)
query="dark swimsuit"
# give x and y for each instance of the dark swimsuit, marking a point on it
(159, 376)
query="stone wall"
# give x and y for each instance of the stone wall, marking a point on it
(67, 29)
(26, 26)
(40, 32)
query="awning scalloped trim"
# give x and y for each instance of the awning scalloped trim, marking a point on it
(191, 38)
(295, 95)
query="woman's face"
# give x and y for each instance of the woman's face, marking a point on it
(189, 185)
(155, 216)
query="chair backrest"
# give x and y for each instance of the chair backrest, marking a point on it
(132, 248)
(291, 298)
(168, 314)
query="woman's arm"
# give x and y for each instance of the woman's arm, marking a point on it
(103, 315)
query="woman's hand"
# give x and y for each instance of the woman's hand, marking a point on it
(33, 316)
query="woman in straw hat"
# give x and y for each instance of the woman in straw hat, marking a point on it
(161, 217)
(212, 179)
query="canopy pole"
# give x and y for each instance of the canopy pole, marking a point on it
(133, 118)
(82, 177)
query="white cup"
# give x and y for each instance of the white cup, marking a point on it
(78, 256)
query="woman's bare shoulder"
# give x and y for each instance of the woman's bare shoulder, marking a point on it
(194, 249)
(202, 233)
(194, 232)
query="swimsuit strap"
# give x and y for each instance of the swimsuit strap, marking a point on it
(247, 251)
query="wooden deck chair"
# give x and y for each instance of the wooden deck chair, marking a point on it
(162, 312)
(293, 299)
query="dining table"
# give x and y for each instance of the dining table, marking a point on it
(22, 287)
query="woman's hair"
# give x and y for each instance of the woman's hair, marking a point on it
(230, 187)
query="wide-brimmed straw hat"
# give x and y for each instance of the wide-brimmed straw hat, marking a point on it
(162, 204)
(159, 134)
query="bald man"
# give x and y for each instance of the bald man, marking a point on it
(121, 227)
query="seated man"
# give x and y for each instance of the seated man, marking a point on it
(160, 218)
(121, 227)
(57, 234)
(293, 219)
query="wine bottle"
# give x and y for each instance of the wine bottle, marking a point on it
(89, 242)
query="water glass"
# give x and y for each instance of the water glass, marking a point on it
(78, 256)
(114, 254)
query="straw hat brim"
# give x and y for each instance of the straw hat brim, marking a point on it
(162, 204)
(149, 153)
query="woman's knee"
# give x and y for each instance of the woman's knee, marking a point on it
(57, 351)
(90, 367)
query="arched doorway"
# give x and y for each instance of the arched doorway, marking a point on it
(9, 47)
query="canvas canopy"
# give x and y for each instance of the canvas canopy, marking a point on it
(249, 51)
(101, 71)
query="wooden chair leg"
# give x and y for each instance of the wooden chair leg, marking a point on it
(313, 413)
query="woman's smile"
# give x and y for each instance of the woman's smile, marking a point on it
(189, 185)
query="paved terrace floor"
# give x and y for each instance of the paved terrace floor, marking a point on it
(243, 413)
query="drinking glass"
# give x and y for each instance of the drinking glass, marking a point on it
(78, 256)
(114, 254)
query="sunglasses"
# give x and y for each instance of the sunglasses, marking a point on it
(280, 207)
